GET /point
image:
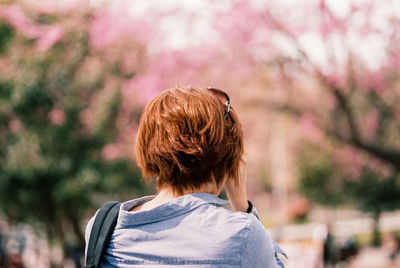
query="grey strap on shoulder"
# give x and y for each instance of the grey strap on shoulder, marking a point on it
(102, 228)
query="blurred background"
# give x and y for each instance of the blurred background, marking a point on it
(316, 85)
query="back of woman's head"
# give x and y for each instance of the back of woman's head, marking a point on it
(184, 140)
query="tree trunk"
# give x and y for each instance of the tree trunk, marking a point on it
(59, 233)
(74, 220)
(376, 234)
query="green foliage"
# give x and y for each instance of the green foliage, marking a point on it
(373, 193)
(6, 35)
(320, 180)
(325, 182)
(51, 157)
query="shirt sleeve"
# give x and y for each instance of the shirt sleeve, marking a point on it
(278, 250)
(259, 248)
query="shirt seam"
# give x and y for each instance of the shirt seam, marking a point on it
(157, 261)
(124, 219)
(123, 224)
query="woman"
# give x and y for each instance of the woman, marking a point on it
(190, 140)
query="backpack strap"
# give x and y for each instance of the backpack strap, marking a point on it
(102, 228)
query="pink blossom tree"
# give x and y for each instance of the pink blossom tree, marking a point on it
(326, 58)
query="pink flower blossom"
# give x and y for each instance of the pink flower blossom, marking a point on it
(16, 17)
(335, 78)
(86, 117)
(102, 31)
(394, 60)
(51, 37)
(331, 102)
(376, 81)
(371, 122)
(65, 6)
(47, 36)
(380, 167)
(127, 136)
(111, 152)
(107, 27)
(322, 5)
(130, 64)
(142, 89)
(351, 160)
(57, 117)
(15, 125)
(310, 128)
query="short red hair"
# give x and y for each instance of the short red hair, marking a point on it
(184, 140)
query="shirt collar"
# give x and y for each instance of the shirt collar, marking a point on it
(165, 211)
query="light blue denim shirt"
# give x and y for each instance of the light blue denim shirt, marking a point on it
(191, 231)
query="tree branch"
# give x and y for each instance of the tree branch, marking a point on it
(391, 156)
(388, 155)
(350, 118)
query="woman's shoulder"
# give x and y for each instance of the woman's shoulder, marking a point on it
(237, 217)
(225, 218)
(257, 247)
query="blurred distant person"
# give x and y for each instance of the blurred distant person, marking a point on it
(190, 140)
(14, 258)
(395, 248)
(349, 250)
(2, 247)
(329, 250)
